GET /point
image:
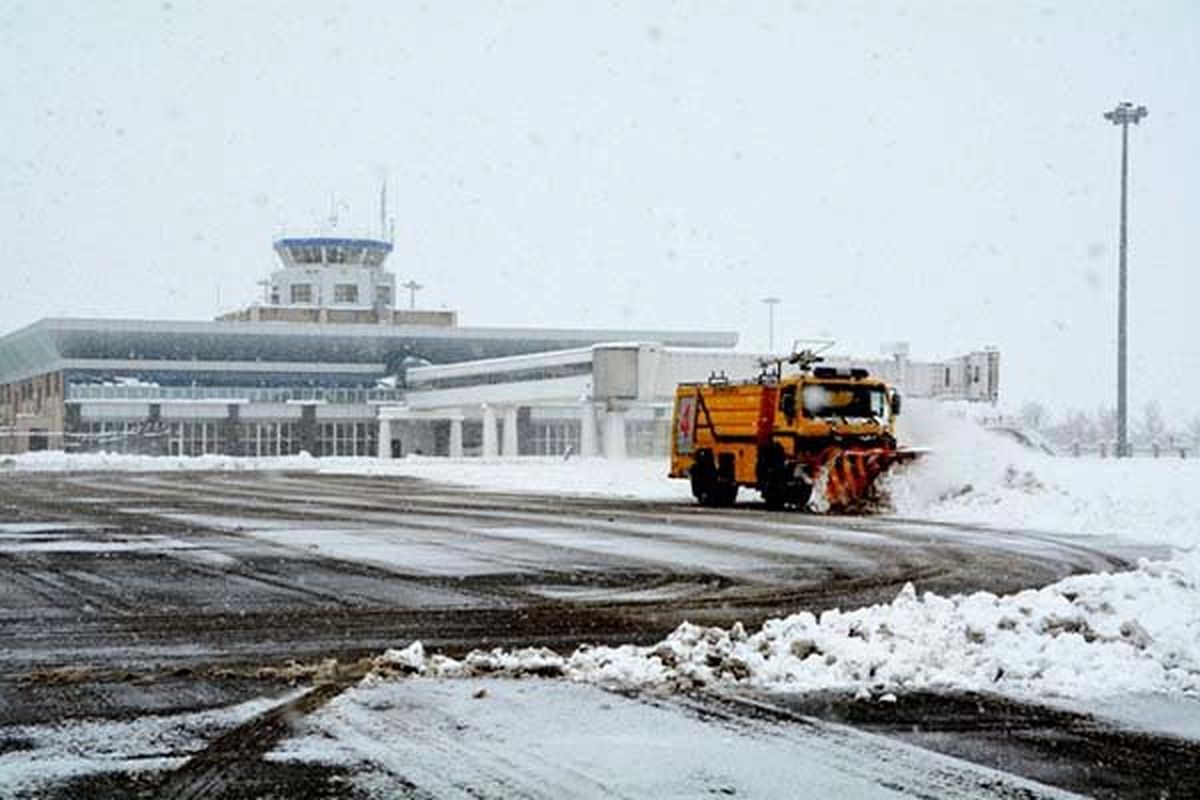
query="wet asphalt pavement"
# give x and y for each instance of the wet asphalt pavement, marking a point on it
(126, 595)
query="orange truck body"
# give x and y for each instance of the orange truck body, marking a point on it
(827, 434)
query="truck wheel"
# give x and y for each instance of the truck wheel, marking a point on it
(778, 496)
(726, 494)
(704, 478)
(801, 493)
(709, 491)
(714, 493)
(774, 497)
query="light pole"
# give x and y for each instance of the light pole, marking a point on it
(771, 303)
(413, 287)
(1122, 115)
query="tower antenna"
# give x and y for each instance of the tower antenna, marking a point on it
(383, 209)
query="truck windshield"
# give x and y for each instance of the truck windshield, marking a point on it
(841, 400)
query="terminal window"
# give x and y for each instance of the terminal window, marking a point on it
(345, 293)
(301, 293)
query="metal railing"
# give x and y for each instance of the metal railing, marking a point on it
(254, 394)
(1109, 450)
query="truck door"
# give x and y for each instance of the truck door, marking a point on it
(685, 424)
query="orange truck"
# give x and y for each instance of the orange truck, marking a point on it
(823, 434)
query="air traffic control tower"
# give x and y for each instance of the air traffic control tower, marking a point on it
(334, 280)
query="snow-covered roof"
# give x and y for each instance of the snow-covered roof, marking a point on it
(46, 344)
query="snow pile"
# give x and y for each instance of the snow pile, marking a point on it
(974, 476)
(1086, 636)
(635, 478)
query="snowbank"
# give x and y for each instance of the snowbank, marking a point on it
(972, 475)
(1084, 637)
(636, 478)
(58, 461)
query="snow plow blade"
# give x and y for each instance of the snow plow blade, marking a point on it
(847, 480)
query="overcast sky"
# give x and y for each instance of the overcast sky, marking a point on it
(933, 172)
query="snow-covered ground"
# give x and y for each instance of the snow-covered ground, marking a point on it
(540, 738)
(972, 475)
(1087, 636)
(49, 753)
(969, 475)
(638, 478)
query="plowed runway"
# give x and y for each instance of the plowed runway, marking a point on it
(128, 594)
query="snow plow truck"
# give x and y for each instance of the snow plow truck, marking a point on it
(823, 434)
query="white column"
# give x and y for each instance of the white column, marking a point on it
(456, 449)
(385, 438)
(587, 429)
(489, 431)
(510, 431)
(614, 434)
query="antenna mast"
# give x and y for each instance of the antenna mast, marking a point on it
(383, 229)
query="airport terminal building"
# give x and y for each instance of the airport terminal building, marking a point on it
(328, 365)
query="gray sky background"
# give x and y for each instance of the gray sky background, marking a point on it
(924, 171)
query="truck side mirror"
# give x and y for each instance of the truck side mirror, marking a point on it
(895, 401)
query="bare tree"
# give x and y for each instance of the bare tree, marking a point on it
(1106, 423)
(1153, 425)
(1033, 415)
(1077, 428)
(1193, 430)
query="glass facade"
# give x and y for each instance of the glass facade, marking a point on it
(111, 437)
(194, 438)
(270, 439)
(646, 438)
(555, 437)
(347, 439)
(507, 376)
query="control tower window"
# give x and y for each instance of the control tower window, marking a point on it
(301, 293)
(345, 293)
(306, 255)
(373, 258)
(383, 295)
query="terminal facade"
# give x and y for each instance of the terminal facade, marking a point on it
(307, 370)
(611, 399)
(328, 365)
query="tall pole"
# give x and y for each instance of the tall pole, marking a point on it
(413, 287)
(1123, 306)
(1122, 115)
(771, 303)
